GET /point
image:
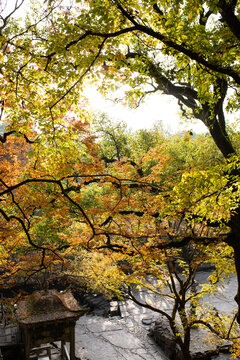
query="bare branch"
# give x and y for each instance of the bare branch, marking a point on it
(148, 306)
(5, 20)
(80, 78)
(3, 138)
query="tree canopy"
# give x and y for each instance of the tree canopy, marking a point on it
(66, 186)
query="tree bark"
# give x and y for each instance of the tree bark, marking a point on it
(226, 148)
(235, 243)
(221, 140)
(186, 352)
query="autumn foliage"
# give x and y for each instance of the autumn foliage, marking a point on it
(90, 199)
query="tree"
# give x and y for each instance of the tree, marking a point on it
(144, 240)
(35, 203)
(169, 277)
(173, 44)
(40, 148)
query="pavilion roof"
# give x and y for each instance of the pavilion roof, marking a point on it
(42, 307)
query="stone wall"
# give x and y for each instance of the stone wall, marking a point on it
(9, 335)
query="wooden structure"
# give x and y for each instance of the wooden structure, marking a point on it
(46, 317)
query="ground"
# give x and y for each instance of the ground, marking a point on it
(126, 337)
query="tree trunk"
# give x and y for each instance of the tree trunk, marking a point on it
(237, 265)
(185, 352)
(221, 140)
(226, 148)
(235, 243)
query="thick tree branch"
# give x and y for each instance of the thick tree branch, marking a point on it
(198, 57)
(213, 118)
(148, 306)
(3, 138)
(227, 12)
(204, 17)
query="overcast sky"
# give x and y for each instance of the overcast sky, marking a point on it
(156, 107)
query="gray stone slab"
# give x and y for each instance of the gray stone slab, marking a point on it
(143, 353)
(125, 338)
(222, 357)
(122, 339)
(153, 355)
(90, 347)
(223, 300)
(80, 330)
(98, 324)
(128, 321)
(131, 355)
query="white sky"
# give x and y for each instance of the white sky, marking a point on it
(156, 107)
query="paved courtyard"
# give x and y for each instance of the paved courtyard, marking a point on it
(126, 337)
(99, 338)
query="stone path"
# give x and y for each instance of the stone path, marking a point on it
(99, 338)
(126, 337)
(119, 338)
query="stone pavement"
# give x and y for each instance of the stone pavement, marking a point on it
(119, 338)
(99, 338)
(126, 337)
